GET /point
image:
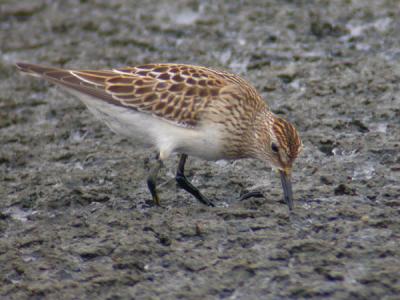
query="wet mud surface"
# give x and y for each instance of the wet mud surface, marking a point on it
(76, 220)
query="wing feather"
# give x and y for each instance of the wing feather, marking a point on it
(176, 93)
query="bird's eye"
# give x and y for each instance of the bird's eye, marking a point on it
(274, 148)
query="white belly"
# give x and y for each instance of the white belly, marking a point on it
(203, 142)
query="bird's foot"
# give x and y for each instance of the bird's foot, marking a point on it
(248, 195)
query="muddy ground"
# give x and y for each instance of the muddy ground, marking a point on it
(76, 220)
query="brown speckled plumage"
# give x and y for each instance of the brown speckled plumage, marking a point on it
(220, 115)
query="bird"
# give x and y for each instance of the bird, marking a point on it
(185, 109)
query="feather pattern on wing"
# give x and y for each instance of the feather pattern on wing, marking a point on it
(174, 92)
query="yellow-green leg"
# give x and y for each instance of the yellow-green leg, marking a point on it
(186, 185)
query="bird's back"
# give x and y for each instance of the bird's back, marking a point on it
(178, 93)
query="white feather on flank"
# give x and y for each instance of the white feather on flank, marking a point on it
(202, 142)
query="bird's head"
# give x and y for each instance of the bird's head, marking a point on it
(280, 145)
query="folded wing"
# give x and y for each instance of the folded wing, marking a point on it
(176, 93)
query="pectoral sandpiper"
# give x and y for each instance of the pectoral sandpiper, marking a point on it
(185, 109)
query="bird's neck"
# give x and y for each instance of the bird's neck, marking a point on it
(260, 135)
(253, 134)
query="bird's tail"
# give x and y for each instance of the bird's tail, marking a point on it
(34, 70)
